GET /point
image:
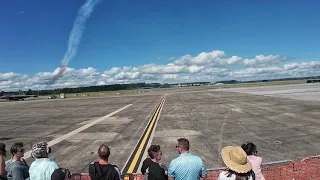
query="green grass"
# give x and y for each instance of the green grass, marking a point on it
(105, 93)
(272, 83)
(193, 88)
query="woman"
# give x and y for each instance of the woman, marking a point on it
(256, 161)
(239, 168)
(3, 152)
(151, 168)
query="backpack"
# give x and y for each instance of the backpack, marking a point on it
(103, 175)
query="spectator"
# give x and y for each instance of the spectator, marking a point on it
(239, 168)
(187, 166)
(61, 174)
(151, 167)
(17, 167)
(3, 172)
(256, 161)
(43, 167)
(102, 170)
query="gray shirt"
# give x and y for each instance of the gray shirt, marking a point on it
(17, 170)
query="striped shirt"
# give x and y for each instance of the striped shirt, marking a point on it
(186, 167)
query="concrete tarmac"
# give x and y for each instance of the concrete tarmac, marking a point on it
(281, 127)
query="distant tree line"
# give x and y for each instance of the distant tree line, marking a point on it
(113, 87)
(117, 87)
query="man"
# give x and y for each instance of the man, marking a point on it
(187, 166)
(102, 170)
(17, 167)
(3, 152)
(43, 167)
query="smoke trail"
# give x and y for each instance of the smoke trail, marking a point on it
(75, 36)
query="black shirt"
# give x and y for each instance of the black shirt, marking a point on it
(104, 172)
(155, 172)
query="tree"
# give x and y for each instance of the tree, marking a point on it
(29, 92)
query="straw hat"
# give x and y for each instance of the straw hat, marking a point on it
(236, 159)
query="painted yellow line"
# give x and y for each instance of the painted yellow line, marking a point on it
(137, 155)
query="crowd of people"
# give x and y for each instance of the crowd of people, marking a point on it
(242, 163)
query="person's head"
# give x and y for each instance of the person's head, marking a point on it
(17, 150)
(40, 150)
(3, 151)
(104, 152)
(154, 152)
(61, 174)
(236, 159)
(182, 145)
(250, 148)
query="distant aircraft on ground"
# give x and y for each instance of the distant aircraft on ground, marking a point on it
(21, 96)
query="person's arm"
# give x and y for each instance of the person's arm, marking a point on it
(203, 171)
(143, 167)
(3, 172)
(171, 174)
(51, 169)
(118, 173)
(91, 171)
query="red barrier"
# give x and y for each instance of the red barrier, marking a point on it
(307, 168)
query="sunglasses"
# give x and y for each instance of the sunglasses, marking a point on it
(21, 150)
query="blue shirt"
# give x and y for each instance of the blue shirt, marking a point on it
(42, 169)
(186, 167)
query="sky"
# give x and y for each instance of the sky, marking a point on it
(127, 41)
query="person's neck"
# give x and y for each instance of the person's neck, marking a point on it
(42, 158)
(184, 152)
(154, 160)
(15, 158)
(102, 161)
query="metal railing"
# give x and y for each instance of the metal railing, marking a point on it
(305, 169)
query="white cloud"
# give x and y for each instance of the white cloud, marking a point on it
(234, 60)
(263, 61)
(203, 58)
(206, 66)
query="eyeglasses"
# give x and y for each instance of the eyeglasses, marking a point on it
(177, 146)
(21, 150)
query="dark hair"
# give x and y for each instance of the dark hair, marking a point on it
(18, 146)
(241, 176)
(104, 152)
(249, 148)
(61, 174)
(153, 151)
(3, 151)
(184, 143)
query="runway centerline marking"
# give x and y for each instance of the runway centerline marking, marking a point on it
(135, 157)
(76, 131)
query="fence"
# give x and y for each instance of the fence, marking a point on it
(306, 169)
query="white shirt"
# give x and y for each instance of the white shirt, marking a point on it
(223, 176)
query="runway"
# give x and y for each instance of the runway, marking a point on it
(283, 127)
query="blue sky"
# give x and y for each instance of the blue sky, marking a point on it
(34, 36)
